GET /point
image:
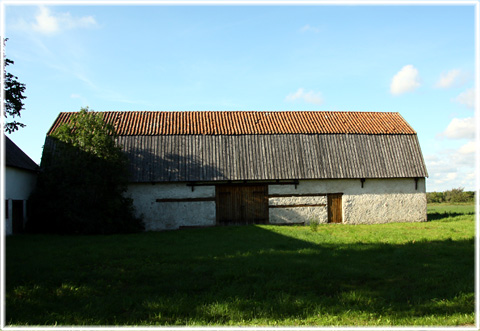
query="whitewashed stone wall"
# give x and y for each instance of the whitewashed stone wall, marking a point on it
(379, 201)
(172, 215)
(298, 212)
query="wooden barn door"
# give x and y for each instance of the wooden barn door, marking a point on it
(241, 204)
(335, 208)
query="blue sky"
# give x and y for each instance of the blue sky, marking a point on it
(416, 60)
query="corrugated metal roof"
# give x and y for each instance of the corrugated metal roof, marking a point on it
(151, 123)
(15, 157)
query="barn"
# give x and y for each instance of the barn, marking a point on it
(207, 168)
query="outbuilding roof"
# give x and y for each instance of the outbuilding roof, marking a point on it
(225, 146)
(152, 123)
(15, 157)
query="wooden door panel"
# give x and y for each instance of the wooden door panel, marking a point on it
(260, 203)
(242, 204)
(334, 208)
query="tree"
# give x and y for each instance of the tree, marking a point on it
(83, 178)
(457, 195)
(435, 197)
(13, 97)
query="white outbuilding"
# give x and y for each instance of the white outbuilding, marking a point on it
(20, 179)
(233, 167)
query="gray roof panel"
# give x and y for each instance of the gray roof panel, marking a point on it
(271, 157)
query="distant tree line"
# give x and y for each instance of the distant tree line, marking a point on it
(451, 196)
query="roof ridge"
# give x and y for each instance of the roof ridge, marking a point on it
(237, 122)
(16, 157)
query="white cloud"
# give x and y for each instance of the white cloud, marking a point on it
(310, 28)
(47, 22)
(309, 97)
(451, 168)
(452, 78)
(406, 80)
(463, 128)
(468, 148)
(467, 98)
(451, 176)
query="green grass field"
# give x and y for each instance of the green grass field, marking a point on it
(365, 275)
(451, 209)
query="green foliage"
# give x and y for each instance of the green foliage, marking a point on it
(455, 195)
(82, 181)
(400, 274)
(13, 97)
(435, 197)
(313, 225)
(89, 133)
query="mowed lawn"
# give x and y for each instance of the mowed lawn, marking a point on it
(391, 274)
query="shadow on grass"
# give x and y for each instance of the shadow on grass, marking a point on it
(436, 216)
(235, 275)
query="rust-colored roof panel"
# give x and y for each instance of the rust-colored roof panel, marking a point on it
(149, 123)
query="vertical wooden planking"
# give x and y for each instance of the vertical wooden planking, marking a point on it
(327, 147)
(271, 157)
(207, 152)
(323, 150)
(244, 157)
(186, 156)
(301, 156)
(276, 156)
(227, 156)
(141, 153)
(371, 150)
(390, 158)
(197, 159)
(156, 167)
(253, 159)
(266, 161)
(236, 159)
(306, 152)
(147, 158)
(282, 152)
(334, 208)
(179, 150)
(202, 159)
(172, 158)
(219, 164)
(419, 161)
(350, 160)
(238, 204)
(166, 158)
(319, 164)
(215, 171)
(240, 157)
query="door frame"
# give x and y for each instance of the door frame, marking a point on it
(240, 201)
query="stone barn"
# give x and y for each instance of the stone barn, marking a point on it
(207, 168)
